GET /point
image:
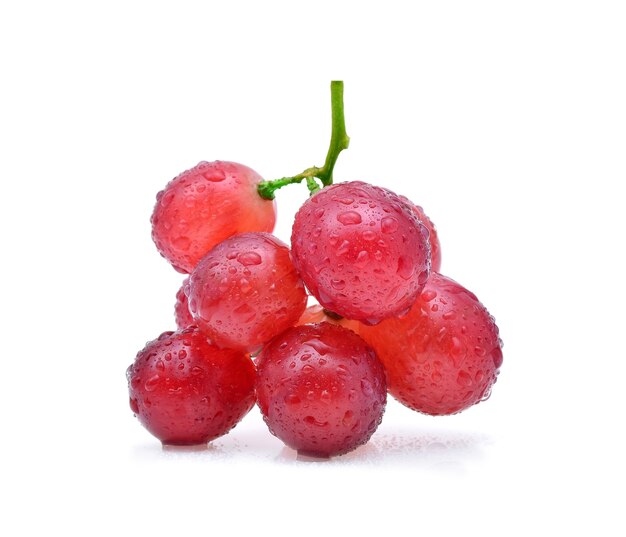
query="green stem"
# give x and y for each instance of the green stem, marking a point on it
(339, 140)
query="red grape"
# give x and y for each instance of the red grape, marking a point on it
(444, 356)
(205, 205)
(245, 291)
(433, 238)
(181, 308)
(186, 391)
(321, 389)
(361, 251)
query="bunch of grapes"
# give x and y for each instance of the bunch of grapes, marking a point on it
(386, 320)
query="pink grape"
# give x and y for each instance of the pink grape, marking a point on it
(205, 205)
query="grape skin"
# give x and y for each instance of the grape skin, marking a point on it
(321, 389)
(205, 205)
(445, 355)
(245, 291)
(182, 315)
(186, 391)
(361, 251)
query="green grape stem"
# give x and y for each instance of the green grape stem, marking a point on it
(339, 140)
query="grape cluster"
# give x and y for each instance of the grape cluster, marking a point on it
(386, 320)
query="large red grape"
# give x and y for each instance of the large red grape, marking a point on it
(245, 291)
(444, 356)
(361, 251)
(186, 391)
(205, 205)
(321, 389)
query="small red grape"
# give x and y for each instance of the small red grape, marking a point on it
(186, 391)
(205, 205)
(444, 356)
(321, 389)
(181, 308)
(361, 251)
(245, 291)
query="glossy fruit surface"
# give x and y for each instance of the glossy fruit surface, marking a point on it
(433, 237)
(321, 389)
(361, 251)
(245, 291)
(444, 356)
(205, 205)
(317, 314)
(186, 391)
(181, 308)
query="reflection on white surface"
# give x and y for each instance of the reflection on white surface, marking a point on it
(443, 451)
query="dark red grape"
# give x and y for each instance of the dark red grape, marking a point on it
(321, 389)
(186, 391)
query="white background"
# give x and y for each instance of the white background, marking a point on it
(505, 120)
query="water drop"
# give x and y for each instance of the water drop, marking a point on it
(389, 224)
(292, 399)
(405, 268)
(151, 384)
(214, 175)
(312, 421)
(349, 218)
(338, 284)
(362, 259)
(249, 258)
(182, 243)
(368, 235)
(464, 379)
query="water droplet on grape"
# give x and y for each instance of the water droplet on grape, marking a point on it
(344, 248)
(182, 243)
(449, 315)
(368, 235)
(182, 354)
(214, 175)
(349, 218)
(496, 355)
(479, 351)
(405, 268)
(312, 421)
(292, 399)
(366, 388)
(245, 313)
(249, 258)
(338, 284)
(362, 259)
(134, 406)
(464, 379)
(389, 224)
(151, 384)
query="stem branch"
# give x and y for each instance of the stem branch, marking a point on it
(339, 140)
